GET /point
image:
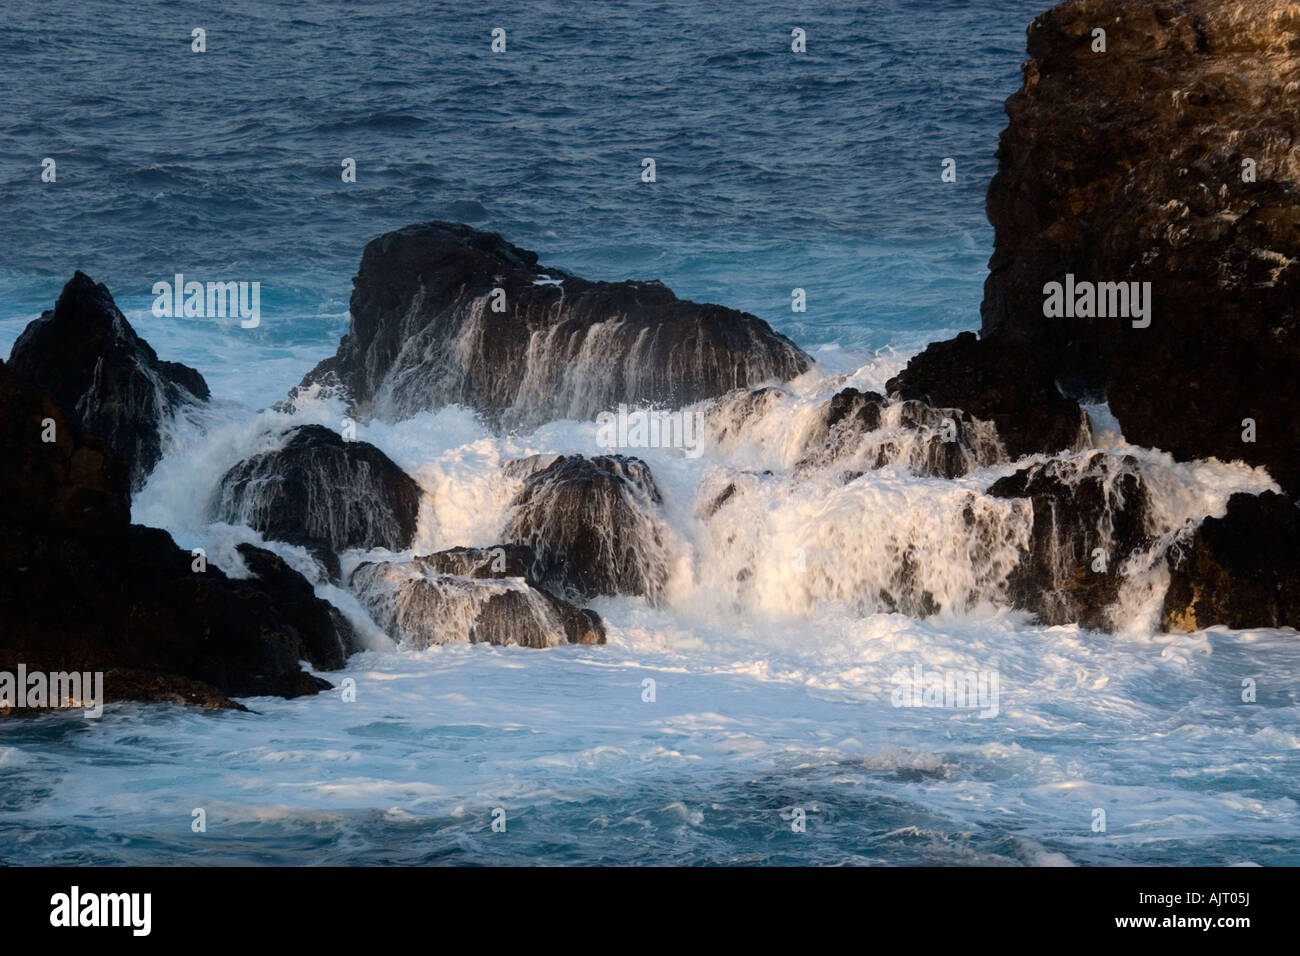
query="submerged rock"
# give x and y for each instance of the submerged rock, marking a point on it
(1240, 570)
(475, 595)
(866, 430)
(426, 332)
(772, 541)
(1089, 517)
(107, 379)
(319, 488)
(592, 524)
(87, 591)
(1168, 159)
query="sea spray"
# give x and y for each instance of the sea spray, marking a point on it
(757, 524)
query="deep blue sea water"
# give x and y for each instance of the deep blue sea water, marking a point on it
(774, 171)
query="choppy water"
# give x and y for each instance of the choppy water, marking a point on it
(774, 171)
(820, 171)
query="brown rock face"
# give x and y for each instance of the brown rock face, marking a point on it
(1170, 158)
(1242, 570)
(1081, 509)
(1009, 384)
(593, 526)
(320, 489)
(479, 595)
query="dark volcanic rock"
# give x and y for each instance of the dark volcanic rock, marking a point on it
(87, 591)
(1002, 383)
(502, 561)
(424, 333)
(1129, 165)
(1079, 507)
(74, 485)
(327, 636)
(320, 488)
(319, 550)
(134, 603)
(866, 430)
(593, 526)
(862, 409)
(105, 377)
(1241, 570)
(478, 595)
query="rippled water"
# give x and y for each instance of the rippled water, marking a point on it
(775, 170)
(744, 729)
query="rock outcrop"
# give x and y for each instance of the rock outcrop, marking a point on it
(318, 489)
(1170, 158)
(327, 637)
(1149, 170)
(87, 591)
(593, 527)
(1240, 570)
(1089, 517)
(479, 595)
(106, 379)
(426, 332)
(1006, 384)
(55, 476)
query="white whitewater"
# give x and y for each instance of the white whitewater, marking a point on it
(776, 519)
(772, 677)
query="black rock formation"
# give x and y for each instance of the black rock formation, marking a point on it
(321, 489)
(87, 591)
(426, 332)
(1007, 385)
(1089, 517)
(866, 430)
(592, 524)
(327, 636)
(106, 378)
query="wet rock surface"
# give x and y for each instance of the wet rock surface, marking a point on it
(592, 526)
(478, 595)
(1089, 517)
(107, 379)
(1170, 159)
(866, 430)
(426, 332)
(88, 591)
(1240, 570)
(320, 490)
(1008, 385)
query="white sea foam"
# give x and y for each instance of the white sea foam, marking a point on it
(771, 687)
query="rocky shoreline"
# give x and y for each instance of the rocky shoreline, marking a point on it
(1118, 167)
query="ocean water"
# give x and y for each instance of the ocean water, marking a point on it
(774, 701)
